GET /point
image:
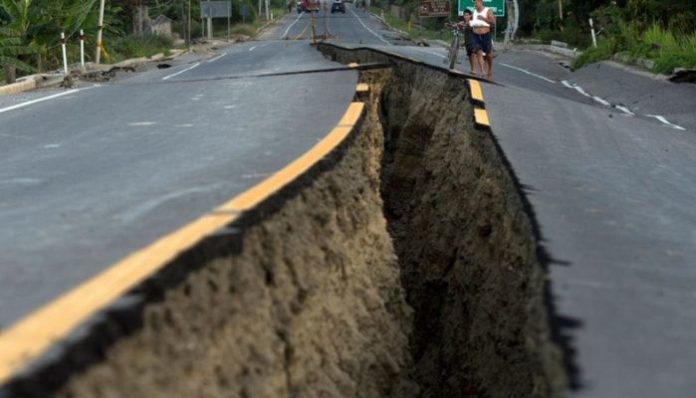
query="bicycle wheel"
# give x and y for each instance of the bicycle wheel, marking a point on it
(453, 51)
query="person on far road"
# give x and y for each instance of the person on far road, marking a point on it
(481, 22)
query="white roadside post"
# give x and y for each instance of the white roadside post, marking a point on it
(594, 37)
(65, 53)
(97, 57)
(82, 48)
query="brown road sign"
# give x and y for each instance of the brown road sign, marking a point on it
(434, 8)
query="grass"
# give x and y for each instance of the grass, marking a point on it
(137, 46)
(413, 32)
(667, 50)
(245, 29)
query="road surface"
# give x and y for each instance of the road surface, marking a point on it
(606, 159)
(92, 175)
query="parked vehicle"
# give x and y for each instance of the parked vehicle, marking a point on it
(309, 6)
(338, 6)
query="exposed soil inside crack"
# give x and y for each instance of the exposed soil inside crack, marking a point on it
(465, 244)
(404, 266)
(466, 248)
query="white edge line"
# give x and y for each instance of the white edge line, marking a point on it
(290, 27)
(252, 48)
(365, 26)
(625, 110)
(565, 83)
(529, 73)
(180, 72)
(216, 58)
(42, 99)
(581, 91)
(601, 101)
(667, 122)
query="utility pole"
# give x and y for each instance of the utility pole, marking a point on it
(560, 13)
(516, 20)
(97, 57)
(188, 30)
(560, 10)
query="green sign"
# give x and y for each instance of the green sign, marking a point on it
(497, 6)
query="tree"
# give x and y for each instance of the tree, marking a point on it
(37, 24)
(11, 48)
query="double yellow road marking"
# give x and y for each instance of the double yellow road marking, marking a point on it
(28, 339)
(480, 114)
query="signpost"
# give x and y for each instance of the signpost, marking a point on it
(244, 10)
(434, 8)
(497, 6)
(216, 9)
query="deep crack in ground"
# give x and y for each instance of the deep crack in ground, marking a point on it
(404, 265)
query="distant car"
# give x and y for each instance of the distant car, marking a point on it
(338, 6)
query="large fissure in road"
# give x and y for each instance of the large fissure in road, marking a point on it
(404, 265)
(466, 248)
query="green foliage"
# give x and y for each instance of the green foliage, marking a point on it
(11, 49)
(606, 48)
(138, 46)
(38, 24)
(667, 50)
(666, 63)
(244, 29)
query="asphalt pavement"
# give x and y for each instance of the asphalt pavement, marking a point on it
(606, 158)
(91, 175)
(94, 174)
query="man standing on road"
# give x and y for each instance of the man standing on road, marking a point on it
(482, 21)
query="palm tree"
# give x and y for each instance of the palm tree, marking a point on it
(11, 48)
(38, 24)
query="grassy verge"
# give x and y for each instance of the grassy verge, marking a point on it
(132, 46)
(413, 31)
(667, 50)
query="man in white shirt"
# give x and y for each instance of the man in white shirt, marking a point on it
(481, 22)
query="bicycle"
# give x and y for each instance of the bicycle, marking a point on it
(453, 50)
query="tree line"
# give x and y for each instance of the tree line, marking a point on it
(30, 29)
(569, 19)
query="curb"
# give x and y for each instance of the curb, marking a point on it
(45, 80)
(15, 88)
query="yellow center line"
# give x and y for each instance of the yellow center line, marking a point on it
(362, 88)
(30, 337)
(268, 187)
(475, 89)
(481, 117)
(301, 33)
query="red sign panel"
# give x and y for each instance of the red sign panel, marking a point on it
(434, 8)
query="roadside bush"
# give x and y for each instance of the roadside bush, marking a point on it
(244, 29)
(133, 46)
(606, 48)
(669, 51)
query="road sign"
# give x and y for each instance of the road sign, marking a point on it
(497, 6)
(216, 9)
(434, 8)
